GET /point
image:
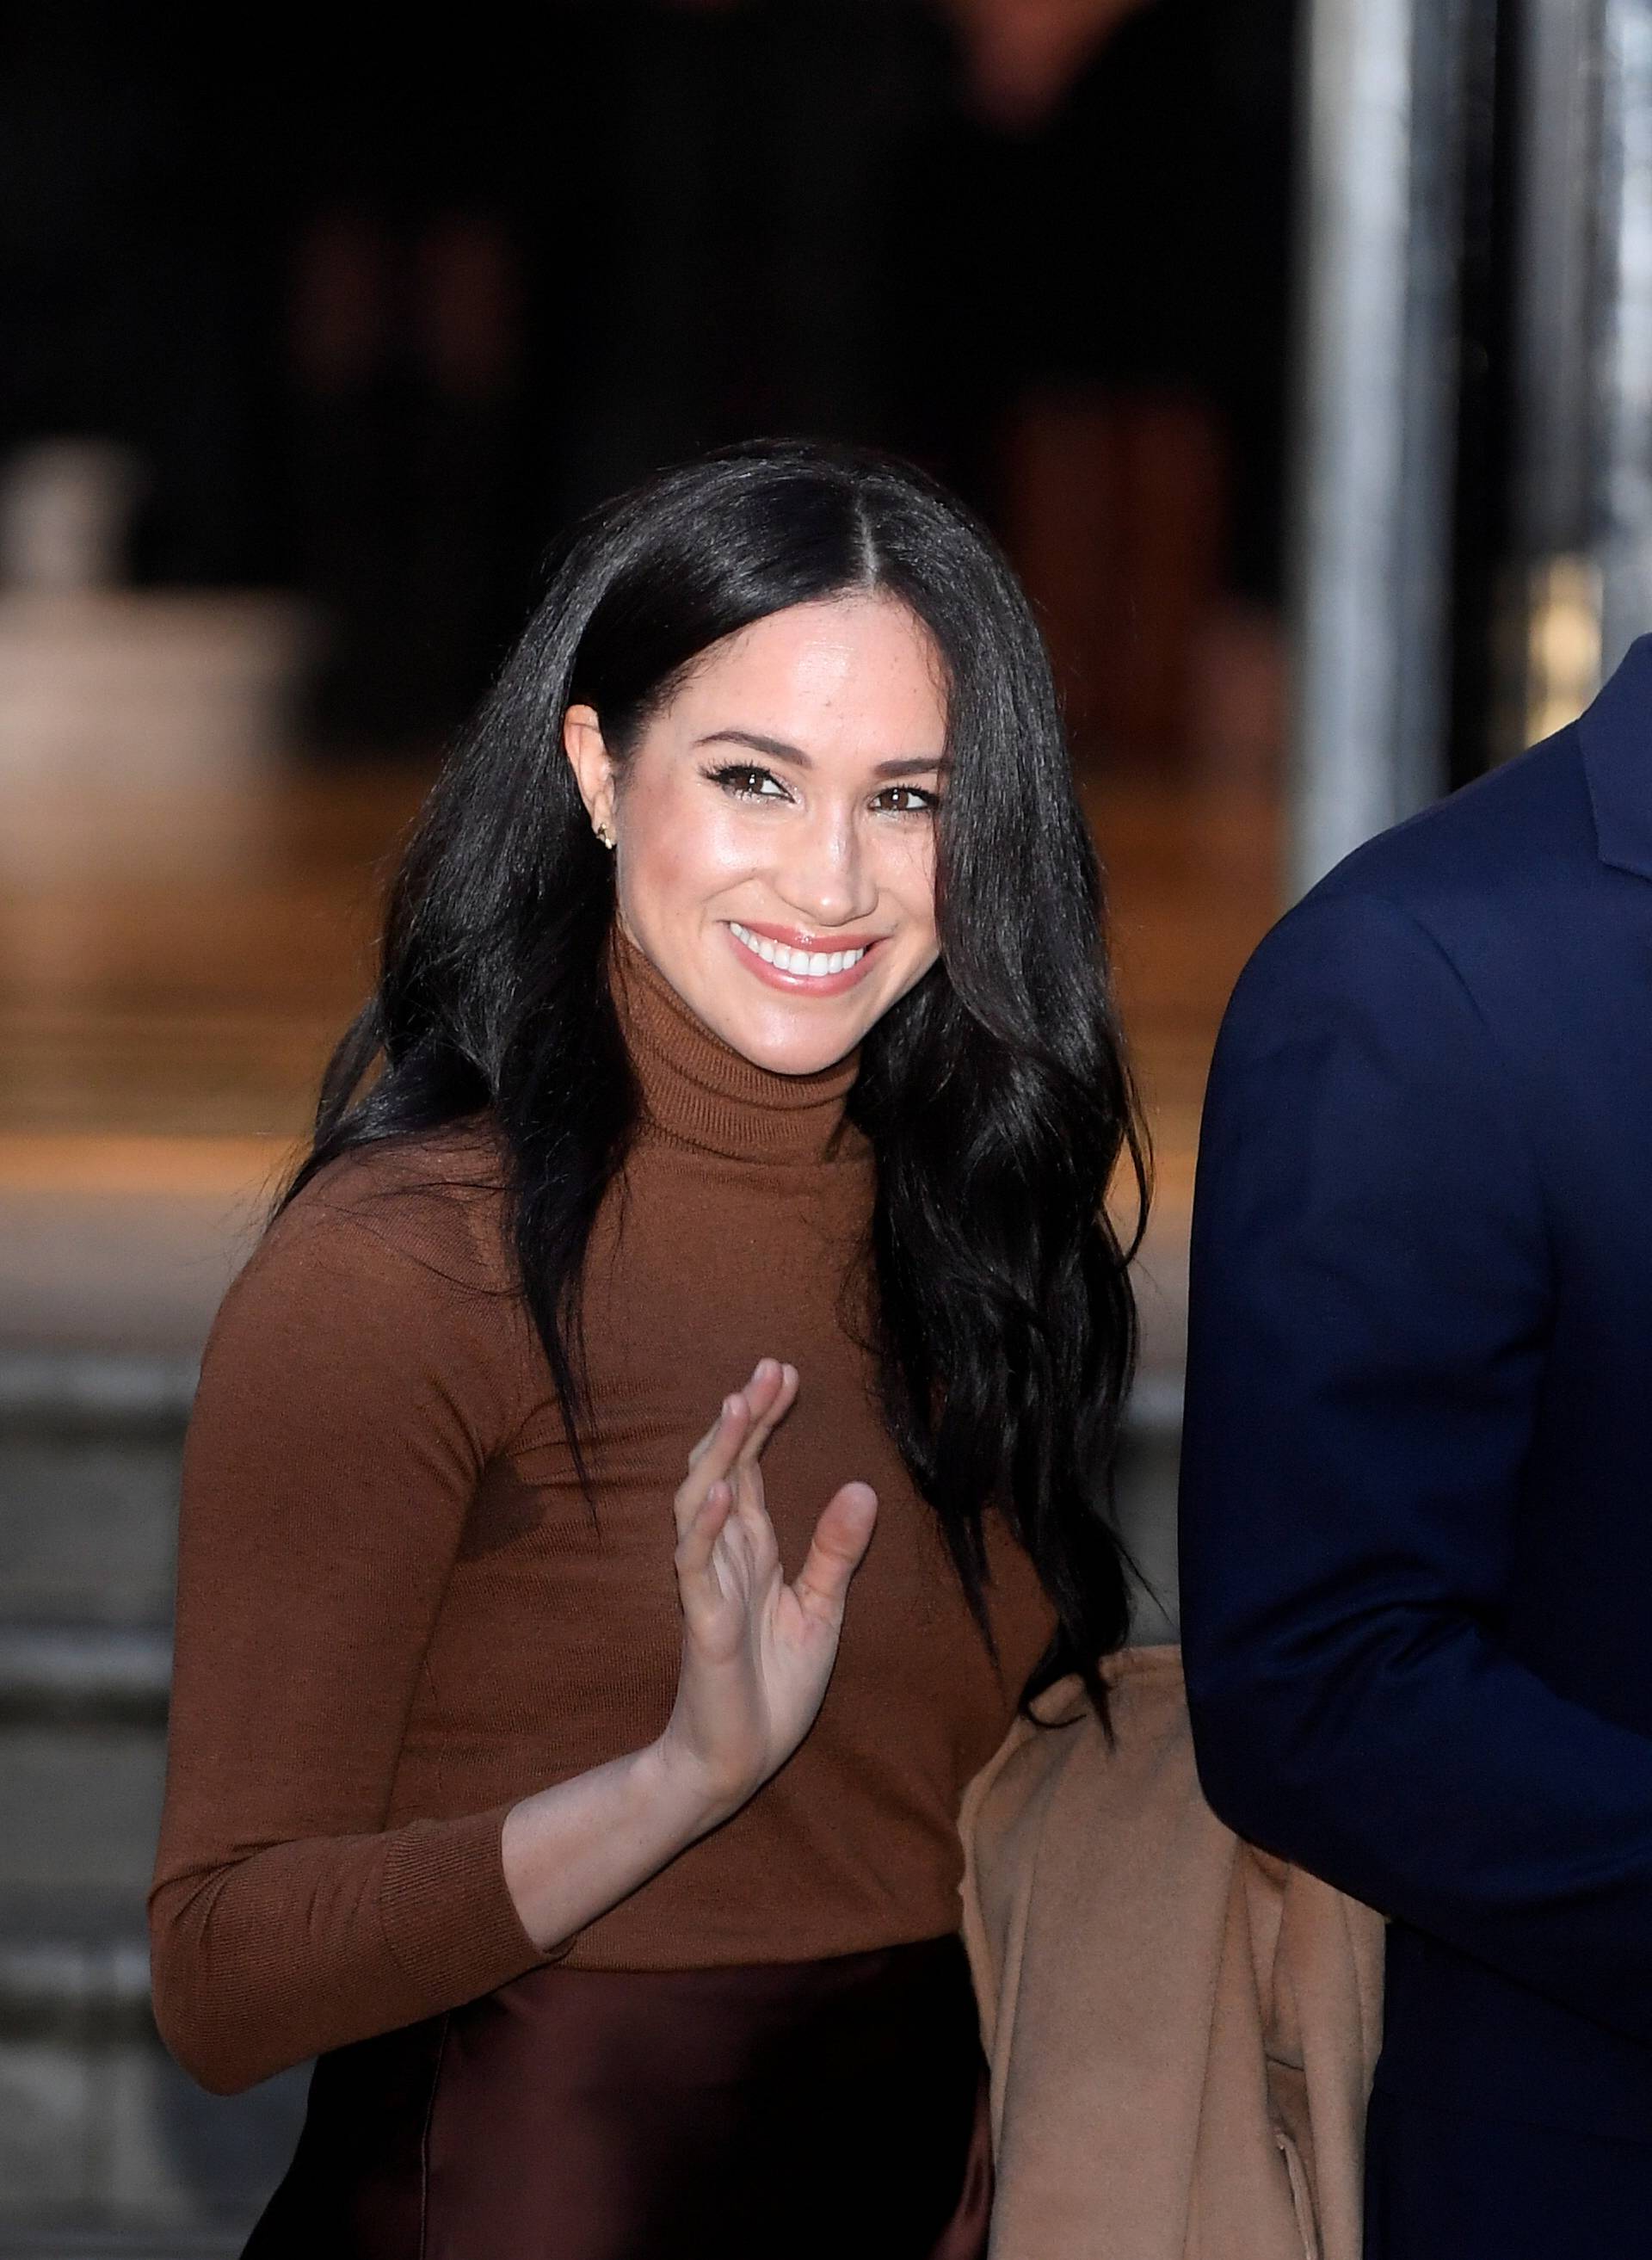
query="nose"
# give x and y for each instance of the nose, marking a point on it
(825, 871)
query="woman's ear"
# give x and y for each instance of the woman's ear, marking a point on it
(592, 765)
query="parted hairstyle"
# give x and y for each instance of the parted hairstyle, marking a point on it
(995, 1094)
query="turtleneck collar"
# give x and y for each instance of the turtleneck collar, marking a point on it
(700, 1091)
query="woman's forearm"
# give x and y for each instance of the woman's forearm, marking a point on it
(757, 1653)
(572, 1852)
(262, 1959)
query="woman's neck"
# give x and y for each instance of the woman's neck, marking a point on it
(698, 1090)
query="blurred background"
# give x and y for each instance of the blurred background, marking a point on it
(1300, 352)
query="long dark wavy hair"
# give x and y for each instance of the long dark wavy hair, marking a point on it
(995, 1094)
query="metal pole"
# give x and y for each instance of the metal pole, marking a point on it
(1562, 286)
(1585, 330)
(1376, 366)
(1623, 493)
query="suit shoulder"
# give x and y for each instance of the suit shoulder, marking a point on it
(1523, 828)
(1471, 884)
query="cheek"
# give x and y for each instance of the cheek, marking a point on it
(680, 846)
(907, 876)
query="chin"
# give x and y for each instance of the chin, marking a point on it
(793, 1050)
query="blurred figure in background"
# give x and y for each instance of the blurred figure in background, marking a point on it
(371, 327)
(1143, 234)
(668, 225)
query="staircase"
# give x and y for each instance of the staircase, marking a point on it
(106, 2148)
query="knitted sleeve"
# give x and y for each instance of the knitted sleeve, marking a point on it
(356, 1380)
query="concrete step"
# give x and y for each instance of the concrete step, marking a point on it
(103, 2138)
(90, 1449)
(96, 1673)
(105, 2146)
(79, 1804)
(83, 1753)
(79, 1388)
(73, 1960)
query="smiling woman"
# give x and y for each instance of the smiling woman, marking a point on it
(807, 872)
(743, 1011)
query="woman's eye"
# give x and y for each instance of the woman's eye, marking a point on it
(910, 799)
(746, 781)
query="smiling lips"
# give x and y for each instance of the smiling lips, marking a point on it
(786, 965)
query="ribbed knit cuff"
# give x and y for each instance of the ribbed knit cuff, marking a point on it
(449, 1919)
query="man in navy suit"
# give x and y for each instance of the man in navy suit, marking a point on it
(1417, 1488)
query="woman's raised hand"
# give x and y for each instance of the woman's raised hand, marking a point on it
(757, 1652)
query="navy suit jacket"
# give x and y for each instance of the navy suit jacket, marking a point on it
(1417, 1488)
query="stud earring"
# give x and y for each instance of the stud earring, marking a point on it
(603, 834)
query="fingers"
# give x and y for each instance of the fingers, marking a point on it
(701, 1529)
(698, 1451)
(768, 1394)
(842, 1537)
(770, 1398)
(721, 1460)
(715, 1457)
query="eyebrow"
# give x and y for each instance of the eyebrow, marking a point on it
(777, 749)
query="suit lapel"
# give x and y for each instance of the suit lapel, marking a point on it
(1616, 731)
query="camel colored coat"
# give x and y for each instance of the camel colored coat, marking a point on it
(1182, 2029)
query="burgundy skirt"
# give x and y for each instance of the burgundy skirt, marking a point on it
(804, 2109)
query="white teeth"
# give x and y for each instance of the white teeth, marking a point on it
(814, 964)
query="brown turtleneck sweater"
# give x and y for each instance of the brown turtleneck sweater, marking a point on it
(397, 1615)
